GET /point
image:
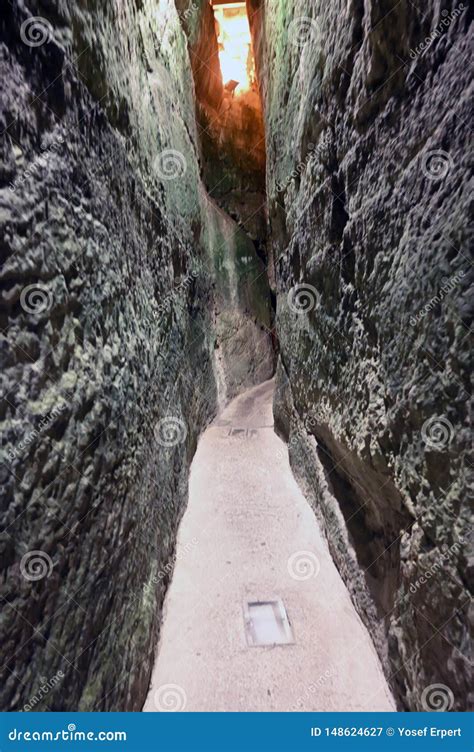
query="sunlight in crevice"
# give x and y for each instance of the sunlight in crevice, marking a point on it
(235, 48)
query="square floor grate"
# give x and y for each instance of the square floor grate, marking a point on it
(266, 623)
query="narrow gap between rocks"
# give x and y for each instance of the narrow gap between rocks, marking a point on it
(234, 358)
(252, 517)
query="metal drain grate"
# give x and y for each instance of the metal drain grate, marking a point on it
(266, 623)
(243, 433)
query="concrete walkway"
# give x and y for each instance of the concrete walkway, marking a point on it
(248, 534)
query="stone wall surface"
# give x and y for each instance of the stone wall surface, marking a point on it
(108, 315)
(232, 155)
(232, 137)
(132, 306)
(367, 181)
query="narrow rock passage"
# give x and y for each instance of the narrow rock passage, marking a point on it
(248, 534)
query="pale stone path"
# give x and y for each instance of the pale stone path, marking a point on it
(246, 518)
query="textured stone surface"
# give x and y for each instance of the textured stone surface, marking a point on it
(149, 303)
(243, 315)
(366, 211)
(114, 233)
(232, 136)
(232, 155)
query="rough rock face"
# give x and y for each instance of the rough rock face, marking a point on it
(232, 155)
(113, 274)
(231, 131)
(234, 175)
(367, 176)
(234, 161)
(243, 315)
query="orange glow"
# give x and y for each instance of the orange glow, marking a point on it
(235, 50)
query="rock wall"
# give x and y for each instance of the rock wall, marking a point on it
(108, 317)
(232, 155)
(232, 137)
(366, 114)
